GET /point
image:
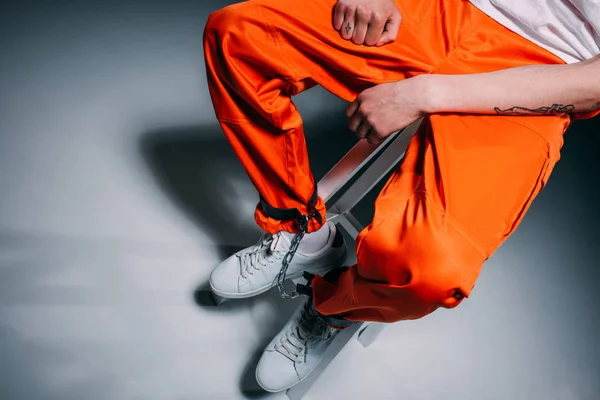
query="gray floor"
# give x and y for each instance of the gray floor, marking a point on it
(120, 194)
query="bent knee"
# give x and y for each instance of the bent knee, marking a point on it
(228, 20)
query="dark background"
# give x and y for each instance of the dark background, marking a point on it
(119, 194)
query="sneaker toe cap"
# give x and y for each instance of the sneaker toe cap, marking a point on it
(224, 279)
(275, 372)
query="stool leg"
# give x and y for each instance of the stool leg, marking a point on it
(350, 224)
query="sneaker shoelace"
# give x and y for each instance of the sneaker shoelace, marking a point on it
(269, 248)
(309, 325)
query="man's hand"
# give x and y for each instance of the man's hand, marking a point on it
(551, 89)
(386, 108)
(368, 22)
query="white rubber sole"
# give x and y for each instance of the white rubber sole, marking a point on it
(285, 388)
(264, 289)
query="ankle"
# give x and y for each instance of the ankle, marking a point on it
(316, 240)
(333, 321)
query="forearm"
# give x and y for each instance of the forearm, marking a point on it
(529, 90)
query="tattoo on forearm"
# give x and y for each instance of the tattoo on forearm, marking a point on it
(552, 110)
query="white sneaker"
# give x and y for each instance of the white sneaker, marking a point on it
(254, 270)
(296, 351)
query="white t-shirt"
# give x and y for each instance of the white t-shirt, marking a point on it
(569, 29)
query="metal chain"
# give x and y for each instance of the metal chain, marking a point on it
(303, 227)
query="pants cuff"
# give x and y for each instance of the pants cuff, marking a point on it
(272, 226)
(336, 323)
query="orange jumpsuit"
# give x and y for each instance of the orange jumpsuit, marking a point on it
(466, 180)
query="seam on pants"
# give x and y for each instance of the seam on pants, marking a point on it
(452, 53)
(540, 182)
(277, 41)
(429, 16)
(523, 50)
(417, 187)
(383, 318)
(227, 121)
(526, 125)
(373, 227)
(420, 192)
(425, 196)
(467, 235)
(436, 16)
(236, 121)
(461, 231)
(459, 47)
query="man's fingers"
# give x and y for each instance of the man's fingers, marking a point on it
(366, 25)
(376, 29)
(356, 117)
(348, 25)
(339, 14)
(361, 18)
(390, 32)
(363, 130)
(374, 139)
(355, 122)
(360, 32)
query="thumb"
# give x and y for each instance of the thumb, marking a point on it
(390, 33)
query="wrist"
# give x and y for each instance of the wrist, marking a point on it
(431, 89)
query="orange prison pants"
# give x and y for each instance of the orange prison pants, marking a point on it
(466, 180)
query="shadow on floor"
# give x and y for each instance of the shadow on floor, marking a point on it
(197, 169)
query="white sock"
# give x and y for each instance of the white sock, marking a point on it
(315, 241)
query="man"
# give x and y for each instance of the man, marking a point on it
(497, 81)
